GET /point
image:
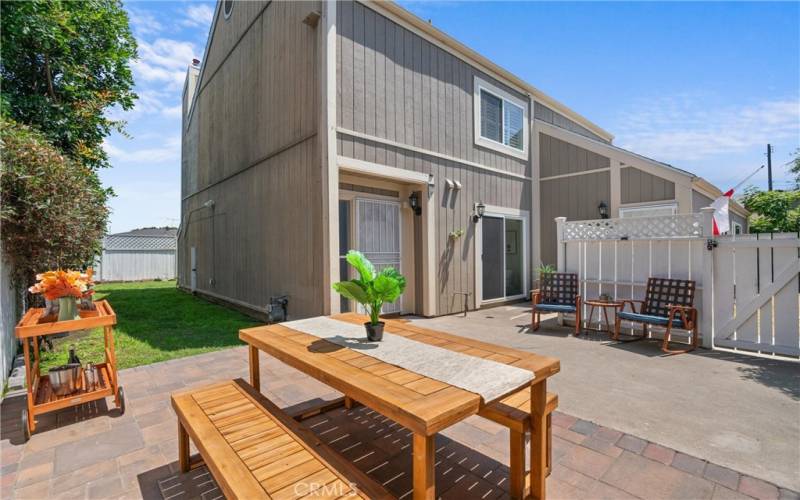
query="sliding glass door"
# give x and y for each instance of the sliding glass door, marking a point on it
(503, 251)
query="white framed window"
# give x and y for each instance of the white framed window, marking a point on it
(737, 228)
(649, 210)
(227, 8)
(501, 120)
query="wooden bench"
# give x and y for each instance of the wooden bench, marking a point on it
(254, 450)
(514, 412)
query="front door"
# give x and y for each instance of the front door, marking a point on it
(378, 236)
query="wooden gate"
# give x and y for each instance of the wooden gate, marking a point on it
(756, 293)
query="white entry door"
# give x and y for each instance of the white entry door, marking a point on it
(378, 237)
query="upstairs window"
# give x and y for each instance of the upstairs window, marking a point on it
(501, 120)
(227, 7)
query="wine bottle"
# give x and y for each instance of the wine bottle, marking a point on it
(73, 358)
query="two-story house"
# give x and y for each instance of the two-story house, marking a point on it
(315, 127)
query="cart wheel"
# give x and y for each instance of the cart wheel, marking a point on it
(121, 405)
(26, 431)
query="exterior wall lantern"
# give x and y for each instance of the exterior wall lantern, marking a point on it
(603, 209)
(480, 209)
(413, 202)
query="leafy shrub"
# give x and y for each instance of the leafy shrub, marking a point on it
(53, 212)
(773, 211)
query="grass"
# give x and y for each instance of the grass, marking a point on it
(155, 322)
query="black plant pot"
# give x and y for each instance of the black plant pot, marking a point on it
(374, 332)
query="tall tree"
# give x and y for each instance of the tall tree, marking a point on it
(63, 65)
(794, 168)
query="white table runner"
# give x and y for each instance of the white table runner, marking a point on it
(485, 377)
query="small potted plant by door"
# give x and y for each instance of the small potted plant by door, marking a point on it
(371, 289)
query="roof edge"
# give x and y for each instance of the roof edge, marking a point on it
(442, 37)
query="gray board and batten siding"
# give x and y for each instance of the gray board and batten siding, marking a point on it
(542, 112)
(395, 85)
(575, 197)
(257, 156)
(639, 187)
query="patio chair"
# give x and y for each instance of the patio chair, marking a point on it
(668, 303)
(558, 293)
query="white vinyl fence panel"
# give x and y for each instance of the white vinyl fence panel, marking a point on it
(9, 315)
(617, 256)
(756, 293)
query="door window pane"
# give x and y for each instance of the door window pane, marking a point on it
(492, 258)
(491, 116)
(344, 246)
(514, 257)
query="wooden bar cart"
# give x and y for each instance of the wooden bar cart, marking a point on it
(41, 398)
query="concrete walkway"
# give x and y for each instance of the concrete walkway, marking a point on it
(737, 411)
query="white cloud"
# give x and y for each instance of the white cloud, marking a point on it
(143, 22)
(691, 127)
(169, 151)
(198, 15)
(164, 61)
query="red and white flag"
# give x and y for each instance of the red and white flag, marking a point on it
(722, 222)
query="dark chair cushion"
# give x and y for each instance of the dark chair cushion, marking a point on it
(647, 318)
(561, 308)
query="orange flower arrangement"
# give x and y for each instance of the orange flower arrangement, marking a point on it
(56, 284)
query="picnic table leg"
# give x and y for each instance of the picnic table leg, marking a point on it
(538, 439)
(424, 460)
(183, 448)
(517, 465)
(255, 372)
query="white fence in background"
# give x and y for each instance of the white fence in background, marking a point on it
(747, 285)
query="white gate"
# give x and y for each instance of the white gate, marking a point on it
(747, 285)
(378, 237)
(756, 293)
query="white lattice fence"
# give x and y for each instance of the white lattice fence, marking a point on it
(617, 256)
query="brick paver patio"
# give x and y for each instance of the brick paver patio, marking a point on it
(93, 452)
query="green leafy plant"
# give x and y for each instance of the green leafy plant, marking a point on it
(772, 211)
(545, 269)
(456, 234)
(371, 289)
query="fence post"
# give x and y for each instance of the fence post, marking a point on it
(707, 319)
(561, 262)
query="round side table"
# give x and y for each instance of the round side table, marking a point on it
(604, 305)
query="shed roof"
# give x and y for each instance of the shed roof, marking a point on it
(148, 238)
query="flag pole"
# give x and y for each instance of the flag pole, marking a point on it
(747, 178)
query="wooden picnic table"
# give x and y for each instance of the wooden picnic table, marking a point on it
(423, 405)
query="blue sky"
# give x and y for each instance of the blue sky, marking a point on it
(703, 86)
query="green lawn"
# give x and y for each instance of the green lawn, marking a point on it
(155, 322)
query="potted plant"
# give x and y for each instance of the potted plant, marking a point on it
(542, 269)
(66, 286)
(371, 289)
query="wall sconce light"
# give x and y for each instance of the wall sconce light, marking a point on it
(413, 202)
(480, 209)
(603, 209)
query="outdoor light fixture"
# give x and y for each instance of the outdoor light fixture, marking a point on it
(413, 201)
(480, 209)
(603, 209)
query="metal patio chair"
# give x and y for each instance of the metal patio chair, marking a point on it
(558, 293)
(668, 303)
